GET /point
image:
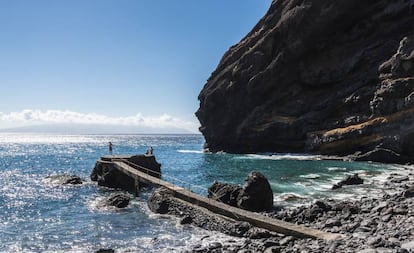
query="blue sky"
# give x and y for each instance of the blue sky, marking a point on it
(114, 61)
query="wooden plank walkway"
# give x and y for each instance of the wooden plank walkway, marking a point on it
(255, 219)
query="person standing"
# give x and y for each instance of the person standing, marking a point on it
(110, 148)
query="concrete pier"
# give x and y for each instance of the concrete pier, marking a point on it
(140, 174)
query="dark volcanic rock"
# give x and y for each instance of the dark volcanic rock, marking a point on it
(327, 77)
(409, 193)
(349, 180)
(106, 175)
(66, 179)
(118, 200)
(226, 193)
(105, 251)
(256, 194)
(163, 201)
(160, 201)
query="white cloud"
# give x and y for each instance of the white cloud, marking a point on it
(36, 117)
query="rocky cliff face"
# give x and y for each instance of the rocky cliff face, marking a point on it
(328, 77)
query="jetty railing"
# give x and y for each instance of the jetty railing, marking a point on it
(173, 180)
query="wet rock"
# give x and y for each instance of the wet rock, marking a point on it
(257, 233)
(118, 200)
(409, 193)
(214, 245)
(159, 201)
(386, 218)
(240, 228)
(105, 251)
(332, 222)
(380, 155)
(399, 179)
(65, 179)
(106, 175)
(73, 180)
(349, 180)
(286, 240)
(186, 220)
(273, 249)
(374, 241)
(323, 205)
(379, 207)
(153, 168)
(256, 194)
(226, 193)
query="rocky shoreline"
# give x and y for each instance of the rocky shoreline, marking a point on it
(370, 224)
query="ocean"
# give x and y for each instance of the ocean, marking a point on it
(39, 215)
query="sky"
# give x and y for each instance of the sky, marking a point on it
(117, 62)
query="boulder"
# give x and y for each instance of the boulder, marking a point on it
(349, 180)
(256, 194)
(118, 200)
(409, 193)
(106, 175)
(148, 162)
(159, 201)
(65, 179)
(105, 251)
(226, 193)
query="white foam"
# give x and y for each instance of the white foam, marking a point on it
(190, 151)
(288, 196)
(336, 169)
(310, 176)
(300, 157)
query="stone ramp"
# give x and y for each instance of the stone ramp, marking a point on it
(255, 219)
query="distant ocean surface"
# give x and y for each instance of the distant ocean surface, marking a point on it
(39, 215)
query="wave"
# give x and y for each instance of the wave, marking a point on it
(301, 157)
(288, 196)
(310, 176)
(190, 151)
(337, 169)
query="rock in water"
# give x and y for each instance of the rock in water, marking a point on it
(118, 200)
(226, 193)
(105, 251)
(159, 201)
(328, 77)
(106, 175)
(256, 194)
(66, 179)
(349, 180)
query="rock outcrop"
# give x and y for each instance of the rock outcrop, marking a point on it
(118, 200)
(65, 179)
(326, 77)
(255, 195)
(349, 180)
(106, 175)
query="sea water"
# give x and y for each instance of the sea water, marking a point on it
(39, 215)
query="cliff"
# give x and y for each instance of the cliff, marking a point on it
(326, 77)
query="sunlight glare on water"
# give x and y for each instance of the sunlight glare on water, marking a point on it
(37, 214)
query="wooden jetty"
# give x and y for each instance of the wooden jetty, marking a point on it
(141, 175)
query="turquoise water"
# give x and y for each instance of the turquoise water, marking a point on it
(39, 215)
